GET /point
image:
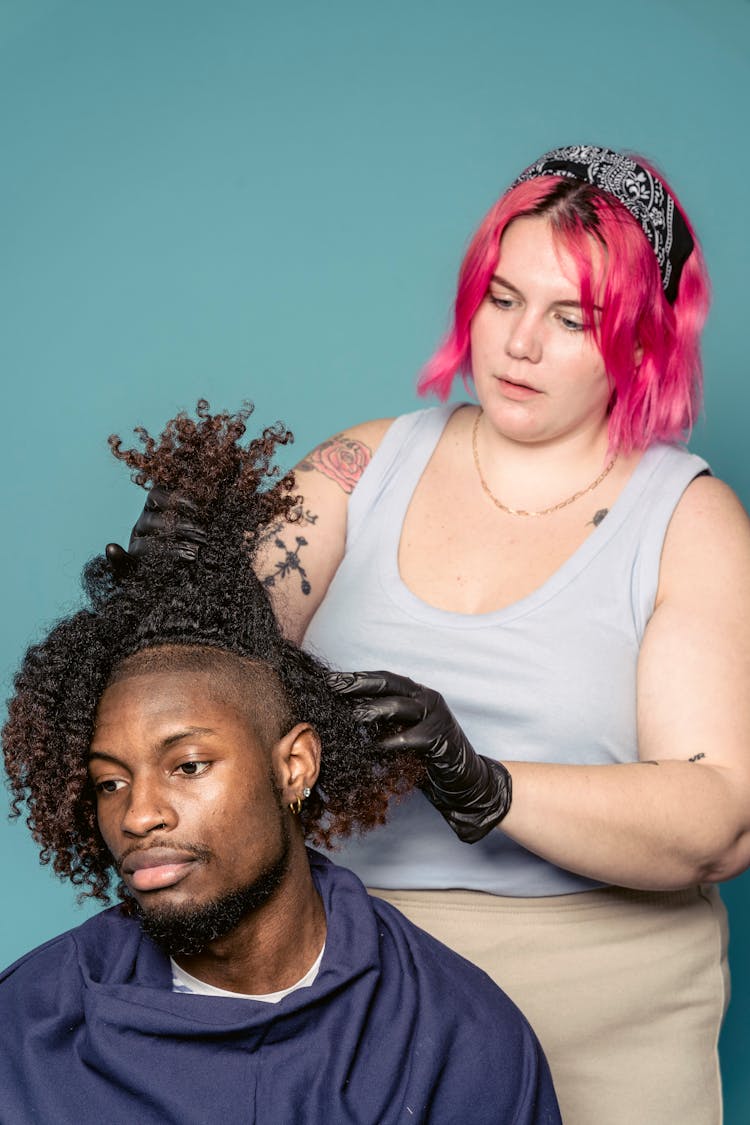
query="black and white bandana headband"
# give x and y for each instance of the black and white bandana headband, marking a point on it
(640, 191)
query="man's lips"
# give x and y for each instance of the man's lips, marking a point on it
(152, 869)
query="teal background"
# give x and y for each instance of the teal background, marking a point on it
(245, 200)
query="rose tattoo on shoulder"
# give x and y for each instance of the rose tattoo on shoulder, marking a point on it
(341, 459)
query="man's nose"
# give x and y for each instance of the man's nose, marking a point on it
(147, 809)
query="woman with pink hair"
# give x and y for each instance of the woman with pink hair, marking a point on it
(574, 587)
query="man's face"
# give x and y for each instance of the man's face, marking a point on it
(187, 802)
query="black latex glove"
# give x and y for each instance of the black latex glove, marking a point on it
(471, 792)
(189, 536)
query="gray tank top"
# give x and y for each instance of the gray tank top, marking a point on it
(551, 678)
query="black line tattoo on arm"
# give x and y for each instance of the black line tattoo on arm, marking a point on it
(300, 516)
(289, 563)
(651, 762)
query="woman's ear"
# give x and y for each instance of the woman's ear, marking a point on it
(296, 762)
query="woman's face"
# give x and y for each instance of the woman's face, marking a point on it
(538, 375)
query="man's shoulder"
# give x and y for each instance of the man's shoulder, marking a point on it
(30, 965)
(46, 963)
(403, 946)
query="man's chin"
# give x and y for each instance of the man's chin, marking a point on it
(187, 928)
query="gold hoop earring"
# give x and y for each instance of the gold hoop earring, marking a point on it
(295, 807)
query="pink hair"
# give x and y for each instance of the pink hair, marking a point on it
(655, 399)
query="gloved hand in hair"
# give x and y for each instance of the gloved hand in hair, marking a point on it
(189, 536)
(471, 792)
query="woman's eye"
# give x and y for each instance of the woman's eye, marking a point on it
(570, 324)
(501, 302)
(192, 769)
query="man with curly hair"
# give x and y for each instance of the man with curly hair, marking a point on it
(168, 737)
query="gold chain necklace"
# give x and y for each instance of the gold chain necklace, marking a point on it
(520, 511)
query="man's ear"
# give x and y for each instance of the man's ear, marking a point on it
(296, 761)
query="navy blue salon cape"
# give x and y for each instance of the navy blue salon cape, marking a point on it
(396, 1028)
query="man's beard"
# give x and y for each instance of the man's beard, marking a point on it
(187, 930)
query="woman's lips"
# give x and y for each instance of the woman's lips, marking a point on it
(153, 869)
(517, 391)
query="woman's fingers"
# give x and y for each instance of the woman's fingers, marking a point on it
(374, 684)
(393, 710)
(120, 562)
(152, 520)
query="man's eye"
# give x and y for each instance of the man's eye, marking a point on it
(192, 769)
(109, 785)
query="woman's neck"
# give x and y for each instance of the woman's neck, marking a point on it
(536, 474)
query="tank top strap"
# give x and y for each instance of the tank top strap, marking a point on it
(405, 449)
(672, 469)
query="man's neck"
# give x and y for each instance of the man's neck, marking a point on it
(271, 948)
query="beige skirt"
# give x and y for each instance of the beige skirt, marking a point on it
(625, 989)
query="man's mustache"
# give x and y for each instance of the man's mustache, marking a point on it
(180, 852)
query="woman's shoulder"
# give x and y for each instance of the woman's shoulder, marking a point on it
(710, 506)
(372, 431)
(344, 456)
(708, 536)
(355, 445)
(369, 433)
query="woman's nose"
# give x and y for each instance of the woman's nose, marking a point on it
(524, 340)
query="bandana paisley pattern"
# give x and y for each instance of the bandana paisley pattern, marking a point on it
(639, 190)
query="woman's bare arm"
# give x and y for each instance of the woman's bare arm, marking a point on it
(297, 560)
(682, 814)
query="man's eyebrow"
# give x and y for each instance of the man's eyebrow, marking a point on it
(165, 744)
(188, 732)
(105, 757)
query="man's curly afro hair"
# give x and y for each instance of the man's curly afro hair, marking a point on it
(212, 602)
